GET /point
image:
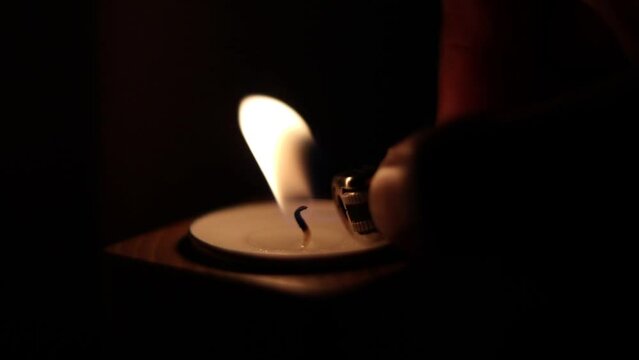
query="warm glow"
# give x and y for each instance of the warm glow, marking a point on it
(279, 140)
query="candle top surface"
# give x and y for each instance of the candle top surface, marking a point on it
(261, 230)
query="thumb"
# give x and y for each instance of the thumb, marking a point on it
(393, 204)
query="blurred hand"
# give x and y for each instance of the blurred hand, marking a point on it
(493, 60)
(509, 205)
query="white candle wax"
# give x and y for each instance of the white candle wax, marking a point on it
(260, 229)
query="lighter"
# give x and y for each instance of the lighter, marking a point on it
(350, 193)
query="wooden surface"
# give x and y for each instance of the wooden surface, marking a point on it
(171, 247)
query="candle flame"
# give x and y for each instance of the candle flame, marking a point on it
(279, 140)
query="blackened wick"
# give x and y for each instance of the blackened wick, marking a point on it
(302, 224)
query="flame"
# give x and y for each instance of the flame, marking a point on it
(278, 138)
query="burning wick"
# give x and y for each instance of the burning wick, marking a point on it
(302, 224)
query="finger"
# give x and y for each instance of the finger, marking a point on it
(392, 193)
(483, 56)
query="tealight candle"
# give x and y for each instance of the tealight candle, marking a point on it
(260, 229)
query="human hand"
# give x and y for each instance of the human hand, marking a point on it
(489, 65)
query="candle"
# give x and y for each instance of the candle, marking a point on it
(278, 138)
(260, 229)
